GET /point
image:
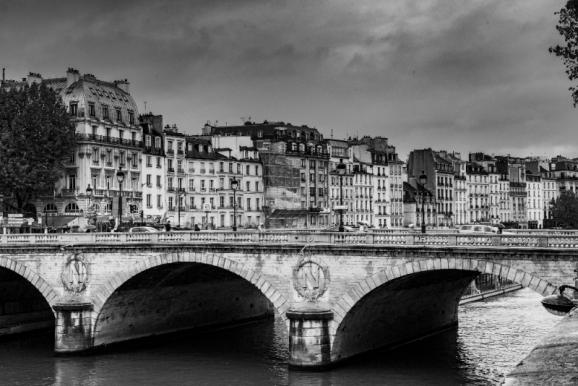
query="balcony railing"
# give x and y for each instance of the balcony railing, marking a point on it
(108, 139)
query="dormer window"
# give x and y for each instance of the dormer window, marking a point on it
(91, 109)
(105, 112)
(131, 117)
(73, 108)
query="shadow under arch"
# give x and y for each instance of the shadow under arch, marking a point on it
(32, 278)
(410, 301)
(184, 269)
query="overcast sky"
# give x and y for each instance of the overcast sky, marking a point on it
(447, 74)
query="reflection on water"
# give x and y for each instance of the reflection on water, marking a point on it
(492, 337)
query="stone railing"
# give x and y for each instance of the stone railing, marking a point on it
(285, 237)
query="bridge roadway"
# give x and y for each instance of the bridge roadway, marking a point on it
(341, 294)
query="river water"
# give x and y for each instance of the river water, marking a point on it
(492, 337)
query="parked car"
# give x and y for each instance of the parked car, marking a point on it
(142, 230)
(478, 229)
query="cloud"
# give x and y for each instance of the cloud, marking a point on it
(441, 73)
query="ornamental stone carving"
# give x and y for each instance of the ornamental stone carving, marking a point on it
(310, 278)
(74, 274)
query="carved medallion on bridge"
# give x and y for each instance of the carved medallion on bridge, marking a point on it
(310, 278)
(75, 274)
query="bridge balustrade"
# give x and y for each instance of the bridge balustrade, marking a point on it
(274, 237)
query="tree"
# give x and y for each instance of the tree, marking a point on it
(565, 210)
(36, 137)
(568, 27)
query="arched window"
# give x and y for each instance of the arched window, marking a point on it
(71, 208)
(50, 208)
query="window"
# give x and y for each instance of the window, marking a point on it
(71, 208)
(248, 204)
(148, 180)
(171, 207)
(91, 109)
(72, 182)
(118, 115)
(105, 112)
(158, 181)
(221, 167)
(158, 142)
(192, 202)
(149, 204)
(73, 108)
(256, 186)
(159, 203)
(170, 165)
(212, 201)
(222, 201)
(170, 144)
(248, 185)
(248, 170)
(257, 203)
(148, 141)
(149, 161)
(158, 162)
(256, 170)
(170, 180)
(131, 117)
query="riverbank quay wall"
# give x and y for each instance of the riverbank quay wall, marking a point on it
(340, 295)
(554, 361)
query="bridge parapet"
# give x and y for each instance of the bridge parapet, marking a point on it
(385, 239)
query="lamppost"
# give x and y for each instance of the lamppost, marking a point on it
(120, 179)
(422, 182)
(180, 194)
(89, 195)
(341, 171)
(234, 186)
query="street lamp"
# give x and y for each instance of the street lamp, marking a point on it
(341, 172)
(180, 194)
(422, 182)
(120, 179)
(559, 304)
(234, 186)
(89, 195)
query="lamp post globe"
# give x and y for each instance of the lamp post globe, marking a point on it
(422, 182)
(120, 179)
(234, 186)
(559, 304)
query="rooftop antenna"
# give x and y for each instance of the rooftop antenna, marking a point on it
(145, 106)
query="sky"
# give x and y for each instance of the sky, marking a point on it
(447, 74)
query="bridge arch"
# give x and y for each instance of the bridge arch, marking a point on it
(33, 278)
(269, 291)
(348, 336)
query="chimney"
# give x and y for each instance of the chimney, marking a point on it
(123, 85)
(34, 77)
(72, 76)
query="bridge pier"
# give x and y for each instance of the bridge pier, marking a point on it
(309, 341)
(73, 332)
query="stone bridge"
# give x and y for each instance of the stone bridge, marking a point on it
(340, 294)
